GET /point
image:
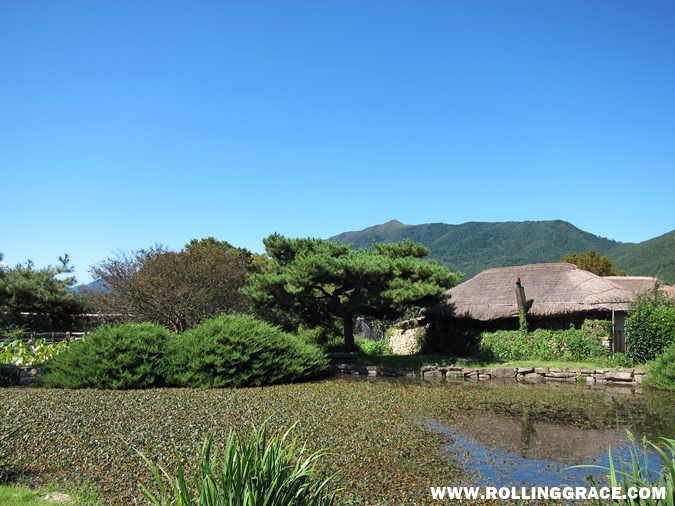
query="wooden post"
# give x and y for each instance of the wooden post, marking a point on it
(619, 327)
(520, 295)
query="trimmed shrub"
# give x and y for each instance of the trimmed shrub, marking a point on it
(239, 350)
(651, 327)
(662, 370)
(112, 357)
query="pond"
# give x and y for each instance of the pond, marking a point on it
(538, 435)
(389, 439)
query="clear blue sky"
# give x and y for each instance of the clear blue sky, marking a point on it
(125, 123)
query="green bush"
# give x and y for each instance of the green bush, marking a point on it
(112, 357)
(373, 347)
(651, 327)
(572, 345)
(239, 350)
(662, 370)
(263, 470)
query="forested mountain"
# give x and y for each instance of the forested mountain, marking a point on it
(475, 246)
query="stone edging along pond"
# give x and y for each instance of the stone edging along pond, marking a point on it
(621, 376)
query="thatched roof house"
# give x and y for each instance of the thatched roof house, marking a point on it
(551, 290)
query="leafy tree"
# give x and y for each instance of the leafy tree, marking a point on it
(39, 299)
(593, 262)
(311, 281)
(175, 289)
(650, 329)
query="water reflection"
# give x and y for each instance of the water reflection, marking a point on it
(501, 450)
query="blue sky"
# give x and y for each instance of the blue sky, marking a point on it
(129, 123)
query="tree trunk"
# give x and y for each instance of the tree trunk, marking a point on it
(348, 326)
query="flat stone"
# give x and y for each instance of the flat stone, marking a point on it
(500, 372)
(541, 370)
(525, 370)
(57, 497)
(432, 375)
(619, 376)
(559, 375)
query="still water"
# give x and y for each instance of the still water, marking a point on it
(526, 445)
(533, 435)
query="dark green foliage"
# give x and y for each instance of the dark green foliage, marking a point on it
(651, 327)
(474, 247)
(655, 257)
(572, 345)
(38, 299)
(662, 370)
(239, 350)
(112, 357)
(311, 281)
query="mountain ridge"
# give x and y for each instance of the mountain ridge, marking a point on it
(475, 246)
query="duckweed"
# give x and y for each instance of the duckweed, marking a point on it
(375, 432)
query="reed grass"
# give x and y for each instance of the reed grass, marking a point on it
(263, 470)
(637, 473)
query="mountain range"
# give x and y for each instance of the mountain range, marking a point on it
(475, 246)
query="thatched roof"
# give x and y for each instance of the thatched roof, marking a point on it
(642, 284)
(550, 289)
(635, 284)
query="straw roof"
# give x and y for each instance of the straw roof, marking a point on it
(642, 284)
(550, 289)
(635, 284)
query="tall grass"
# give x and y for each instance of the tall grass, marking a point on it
(637, 473)
(264, 470)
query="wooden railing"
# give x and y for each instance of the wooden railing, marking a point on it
(53, 337)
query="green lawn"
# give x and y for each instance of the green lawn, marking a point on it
(17, 495)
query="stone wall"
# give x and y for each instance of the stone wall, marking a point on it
(620, 376)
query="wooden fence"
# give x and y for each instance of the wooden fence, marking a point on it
(53, 337)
